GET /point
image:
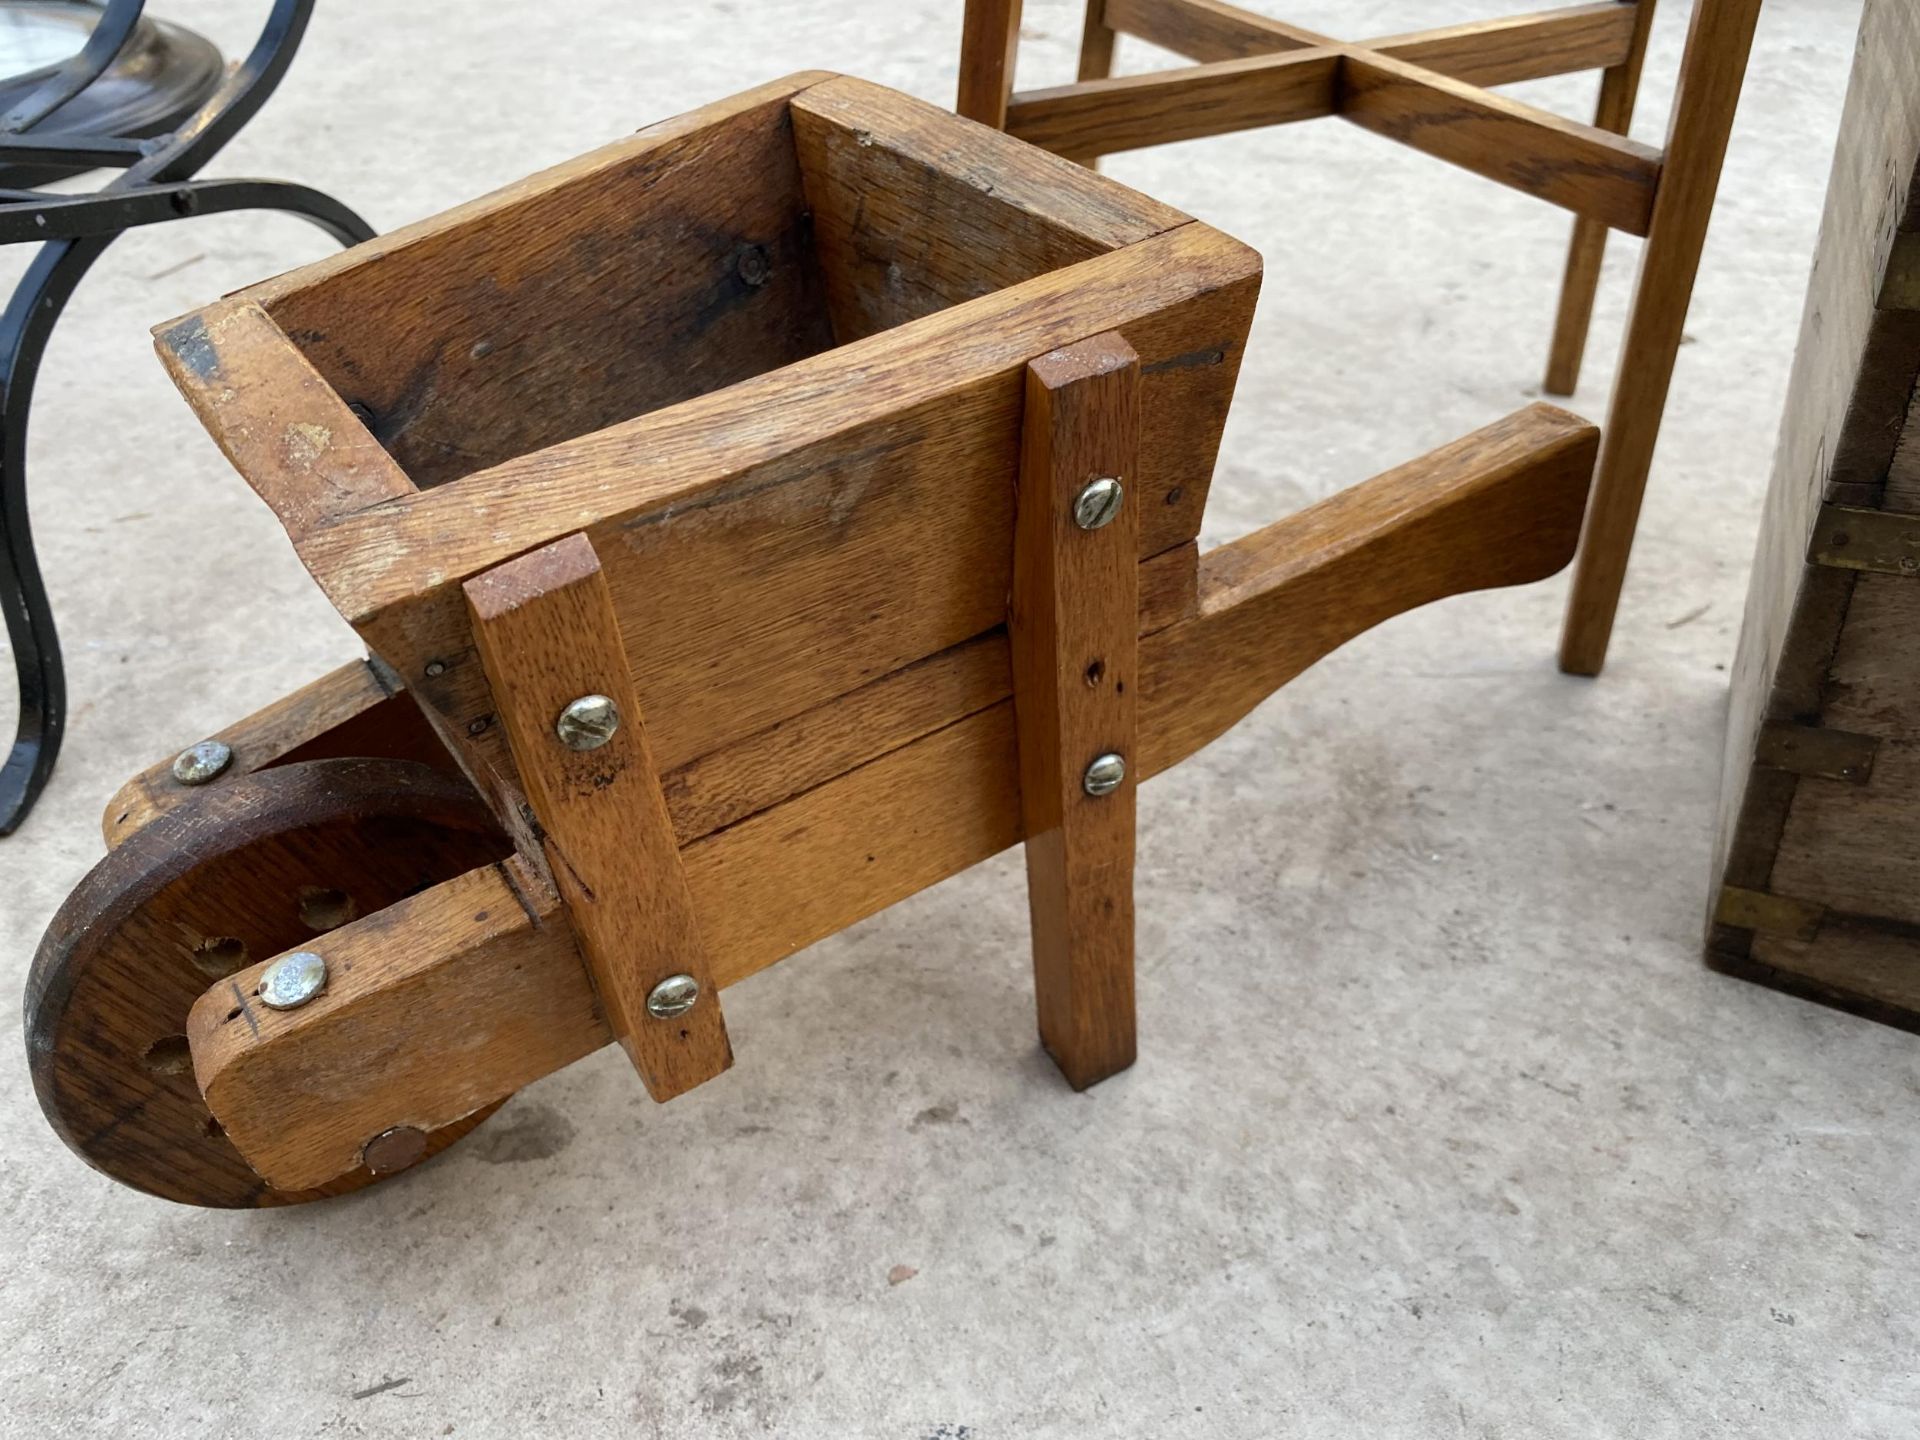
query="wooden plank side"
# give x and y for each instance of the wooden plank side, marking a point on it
(278, 421)
(1586, 170)
(1847, 364)
(548, 637)
(1073, 623)
(1853, 963)
(665, 267)
(794, 755)
(816, 529)
(1872, 672)
(908, 220)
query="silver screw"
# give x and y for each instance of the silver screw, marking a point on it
(197, 764)
(1098, 503)
(673, 997)
(588, 723)
(293, 980)
(1104, 775)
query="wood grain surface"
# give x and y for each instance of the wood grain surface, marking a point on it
(1073, 625)
(1711, 73)
(1589, 171)
(548, 636)
(1619, 86)
(1499, 507)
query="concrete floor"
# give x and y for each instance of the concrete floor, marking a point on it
(1439, 1126)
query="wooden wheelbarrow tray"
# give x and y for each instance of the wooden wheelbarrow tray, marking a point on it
(844, 459)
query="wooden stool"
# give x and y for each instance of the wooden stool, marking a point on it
(755, 522)
(1425, 90)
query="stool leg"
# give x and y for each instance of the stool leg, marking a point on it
(1619, 85)
(1710, 77)
(1073, 622)
(1096, 43)
(1096, 58)
(989, 39)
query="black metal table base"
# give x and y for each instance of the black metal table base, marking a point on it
(155, 187)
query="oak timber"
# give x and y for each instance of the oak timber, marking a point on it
(1487, 52)
(1073, 623)
(855, 527)
(509, 324)
(1604, 177)
(806, 532)
(1499, 507)
(548, 636)
(1711, 72)
(1246, 86)
(989, 41)
(1619, 87)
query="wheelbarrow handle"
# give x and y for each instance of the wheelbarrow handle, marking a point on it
(1501, 506)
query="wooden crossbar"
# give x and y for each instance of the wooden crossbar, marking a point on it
(1486, 52)
(1596, 174)
(1104, 117)
(1206, 29)
(1522, 47)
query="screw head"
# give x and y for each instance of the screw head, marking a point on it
(587, 723)
(673, 997)
(1104, 775)
(197, 764)
(753, 266)
(1098, 503)
(394, 1149)
(293, 980)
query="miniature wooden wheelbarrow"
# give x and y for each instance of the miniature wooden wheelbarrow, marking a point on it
(754, 523)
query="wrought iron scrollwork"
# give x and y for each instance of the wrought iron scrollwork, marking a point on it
(155, 185)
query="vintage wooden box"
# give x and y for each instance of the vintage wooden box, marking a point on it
(1817, 866)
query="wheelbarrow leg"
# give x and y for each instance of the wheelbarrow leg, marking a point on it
(1073, 623)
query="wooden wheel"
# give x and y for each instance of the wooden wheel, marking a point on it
(258, 865)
